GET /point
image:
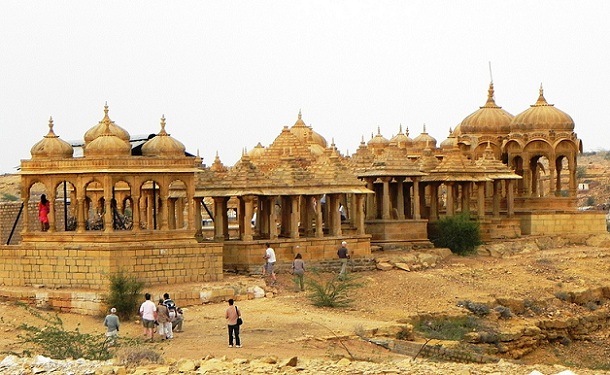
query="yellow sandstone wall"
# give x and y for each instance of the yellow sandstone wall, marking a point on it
(545, 223)
(87, 266)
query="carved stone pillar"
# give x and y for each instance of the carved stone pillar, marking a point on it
(481, 200)
(385, 213)
(319, 217)
(416, 199)
(221, 219)
(371, 210)
(273, 233)
(359, 221)
(433, 202)
(450, 198)
(400, 198)
(497, 194)
(510, 199)
(245, 222)
(198, 225)
(171, 208)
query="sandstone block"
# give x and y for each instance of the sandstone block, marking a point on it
(384, 266)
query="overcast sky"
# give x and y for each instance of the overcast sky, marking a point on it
(229, 74)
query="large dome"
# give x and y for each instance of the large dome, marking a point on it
(488, 119)
(51, 147)
(100, 128)
(163, 145)
(542, 116)
(107, 145)
(401, 139)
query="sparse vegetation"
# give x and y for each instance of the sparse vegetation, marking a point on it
(333, 292)
(9, 197)
(458, 233)
(477, 308)
(54, 341)
(125, 294)
(564, 296)
(137, 356)
(446, 328)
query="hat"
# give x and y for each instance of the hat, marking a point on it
(113, 310)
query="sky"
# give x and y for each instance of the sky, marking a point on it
(229, 74)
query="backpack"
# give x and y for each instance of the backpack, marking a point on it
(171, 308)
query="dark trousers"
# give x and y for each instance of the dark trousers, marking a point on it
(234, 329)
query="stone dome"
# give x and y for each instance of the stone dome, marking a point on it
(542, 116)
(257, 151)
(424, 140)
(107, 145)
(100, 128)
(378, 140)
(51, 147)
(488, 119)
(401, 139)
(163, 145)
(450, 142)
(306, 134)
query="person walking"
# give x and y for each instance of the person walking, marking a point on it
(298, 269)
(44, 207)
(112, 323)
(148, 313)
(270, 262)
(232, 314)
(343, 254)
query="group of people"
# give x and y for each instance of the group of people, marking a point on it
(298, 265)
(165, 316)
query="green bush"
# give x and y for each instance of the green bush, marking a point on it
(333, 292)
(125, 294)
(54, 341)
(458, 233)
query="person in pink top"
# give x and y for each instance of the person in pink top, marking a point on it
(148, 312)
(44, 207)
(232, 314)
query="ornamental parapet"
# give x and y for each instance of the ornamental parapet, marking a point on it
(132, 164)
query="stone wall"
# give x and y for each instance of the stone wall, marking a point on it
(82, 265)
(561, 222)
(397, 230)
(247, 256)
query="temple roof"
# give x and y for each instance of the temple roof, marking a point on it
(51, 147)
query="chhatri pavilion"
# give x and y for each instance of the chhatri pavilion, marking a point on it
(147, 207)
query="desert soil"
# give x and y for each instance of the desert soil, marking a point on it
(288, 325)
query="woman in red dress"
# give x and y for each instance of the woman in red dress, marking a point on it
(44, 206)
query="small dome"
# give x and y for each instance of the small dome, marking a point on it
(542, 116)
(306, 134)
(488, 119)
(424, 140)
(98, 129)
(402, 140)
(450, 142)
(378, 140)
(107, 145)
(163, 145)
(257, 151)
(51, 147)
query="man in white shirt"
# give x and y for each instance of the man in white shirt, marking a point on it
(270, 261)
(148, 312)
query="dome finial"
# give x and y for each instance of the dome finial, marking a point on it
(378, 130)
(299, 113)
(106, 109)
(51, 132)
(424, 132)
(400, 128)
(541, 100)
(162, 132)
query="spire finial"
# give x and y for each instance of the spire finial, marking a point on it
(162, 132)
(400, 128)
(299, 113)
(106, 108)
(51, 132)
(424, 132)
(378, 130)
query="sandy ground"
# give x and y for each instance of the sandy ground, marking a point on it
(288, 325)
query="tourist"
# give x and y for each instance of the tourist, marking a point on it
(112, 323)
(342, 212)
(171, 309)
(269, 262)
(177, 323)
(298, 269)
(165, 324)
(232, 314)
(44, 207)
(148, 313)
(343, 255)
